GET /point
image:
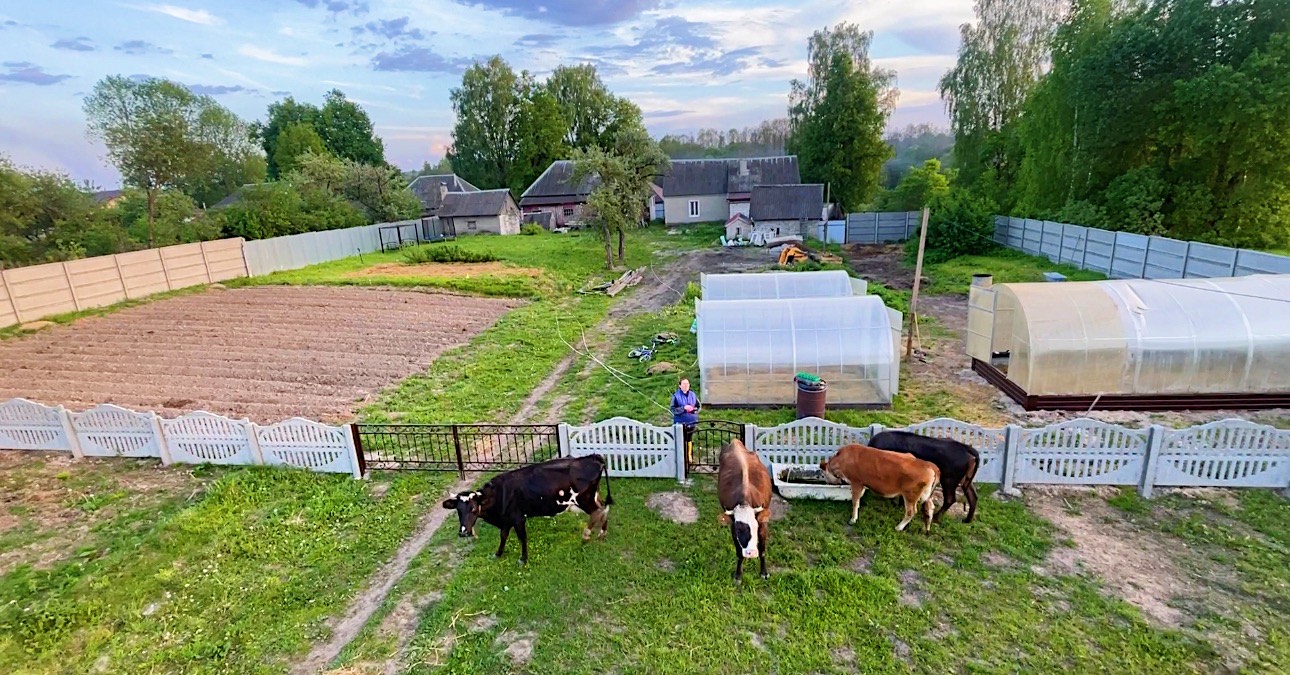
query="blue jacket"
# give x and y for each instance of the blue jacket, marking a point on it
(681, 399)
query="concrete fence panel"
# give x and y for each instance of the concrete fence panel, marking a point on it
(1082, 452)
(632, 449)
(805, 441)
(988, 441)
(112, 431)
(1230, 453)
(25, 425)
(1166, 258)
(304, 444)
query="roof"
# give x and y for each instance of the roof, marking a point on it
(737, 216)
(544, 218)
(105, 196)
(477, 203)
(233, 197)
(557, 181)
(426, 188)
(787, 202)
(724, 176)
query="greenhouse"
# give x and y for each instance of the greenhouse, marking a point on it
(1138, 343)
(750, 350)
(778, 285)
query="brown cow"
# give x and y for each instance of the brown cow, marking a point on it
(890, 474)
(743, 487)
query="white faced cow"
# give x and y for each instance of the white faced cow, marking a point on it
(743, 487)
(545, 489)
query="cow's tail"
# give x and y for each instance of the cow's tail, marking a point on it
(609, 497)
(976, 463)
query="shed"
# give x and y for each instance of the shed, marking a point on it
(492, 211)
(556, 192)
(787, 205)
(779, 285)
(749, 350)
(1135, 343)
(430, 190)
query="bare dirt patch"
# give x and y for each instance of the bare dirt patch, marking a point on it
(264, 353)
(910, 595)
(1140, 569)
(518, 646)
(445, 270)
(881, 263)
(665, 286)
(674, 506)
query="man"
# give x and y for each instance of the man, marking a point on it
(685, 411)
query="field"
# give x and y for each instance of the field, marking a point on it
(263, 353)
(123, 566)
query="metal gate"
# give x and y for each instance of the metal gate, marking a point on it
(454, 447)
(709, 437)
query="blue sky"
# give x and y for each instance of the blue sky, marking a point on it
(689, 64)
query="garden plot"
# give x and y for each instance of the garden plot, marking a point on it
(265, 353)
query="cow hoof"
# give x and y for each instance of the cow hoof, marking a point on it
(498, 555)
(603, 536)
(765, 575)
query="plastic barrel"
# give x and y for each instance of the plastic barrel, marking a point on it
(810, 398)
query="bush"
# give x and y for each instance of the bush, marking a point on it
(445, 254)
(959, 224)
(531, 229)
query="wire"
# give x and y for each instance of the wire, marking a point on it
(612, 371)
(665, 284)
(1215, 290)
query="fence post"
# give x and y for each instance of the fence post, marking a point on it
(1236, 261)
(65, 416)
(8, 291)
(356, 440)
(162, 446)
(206, 264)
(874, 430)
(71, 287)
(1011, 452)
(750, 437)
(678, 451)
(1083, 253)
(562, 439)
(1155, 439)
(1186, 259)
(1061, 243)
(1110, 264)
(1146, 254)
(255, 441)
(456, 444)
(351, 437)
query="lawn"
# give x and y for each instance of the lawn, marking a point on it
(658, 597)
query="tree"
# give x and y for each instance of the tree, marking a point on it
(380, 191)
(960, 223)
(913, 145)
(623, 175)
(487, 105)
(838, 114)
(767, 138)
(917, 189)
(344, 127)
(158, 133)
(540, 132)
(592, 112)
(234, 160)
(296, 140)
(40, 214)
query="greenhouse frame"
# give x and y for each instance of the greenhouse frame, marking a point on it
(779, 285)
(1135, 344)
(750, 350)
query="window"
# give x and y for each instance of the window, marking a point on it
(736, 232)
(470, 224)
(694, 208)
(568, 211)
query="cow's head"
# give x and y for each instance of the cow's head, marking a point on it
(830, 476)
(468, 506)
(743, 528)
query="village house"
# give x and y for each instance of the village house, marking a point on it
(556, 192)
(779, 210)
(480, 211)
(430, 190)
(701, 190)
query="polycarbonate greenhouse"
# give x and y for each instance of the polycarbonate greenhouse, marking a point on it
(1182, 338)
(778, 285)
(749, 350)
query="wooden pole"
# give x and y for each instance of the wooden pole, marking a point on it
(918, 277)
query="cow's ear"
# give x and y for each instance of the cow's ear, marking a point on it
(724, 518)
(450, 504)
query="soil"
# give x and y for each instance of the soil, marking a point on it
(446, 270)
(674, 506)
(666, 286)
(264, 353)
(882, 263)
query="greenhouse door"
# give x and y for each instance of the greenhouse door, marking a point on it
(709, 437)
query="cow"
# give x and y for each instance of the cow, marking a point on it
(890, 474)
(545, 489)
(957, 462)
(743, 488)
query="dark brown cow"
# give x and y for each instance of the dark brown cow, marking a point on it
(743, 487)
(890, 474)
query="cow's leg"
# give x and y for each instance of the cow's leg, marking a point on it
(949, 491)
(521, 530)
(969, 490)
(911, 506)
(857, 492)
(739, 564)
(598, 519)
(928, 506)
(763, 534)
(501, 546)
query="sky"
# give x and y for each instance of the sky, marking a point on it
(689, 64)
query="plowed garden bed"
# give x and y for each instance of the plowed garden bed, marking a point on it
(265, 353)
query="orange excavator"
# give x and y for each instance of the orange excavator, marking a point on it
(795, 253)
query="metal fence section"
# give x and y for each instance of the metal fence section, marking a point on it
(455, 447)
(266, 256)
(710, 436)
(1124, 255)
(882, 227)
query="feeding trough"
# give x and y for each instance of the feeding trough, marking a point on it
(806, 481)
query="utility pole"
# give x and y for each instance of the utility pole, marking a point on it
(918, 278)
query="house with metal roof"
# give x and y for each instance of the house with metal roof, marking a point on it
(701, 190)
(557, 193)
(430, 190)
(783, 209)
(480, 211)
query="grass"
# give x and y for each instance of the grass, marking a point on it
(658, 597)
(1006, 265)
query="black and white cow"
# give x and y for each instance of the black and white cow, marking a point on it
(546, 489)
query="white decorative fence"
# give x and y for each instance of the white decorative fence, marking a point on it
(195, 438)
(1230, 453)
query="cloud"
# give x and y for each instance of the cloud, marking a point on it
(569, 12)
(140, 47)
(678, 46)
(355, 7)
(392, 29)
(198, 16)
(538, 40)
(140, 77)
(30, 73)
(723, 64)
(80, 44)
(419, 59)
(662, 114)
(220, 89)
(270, 56)
(280, 94)
(943, 39)
(208, 56)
